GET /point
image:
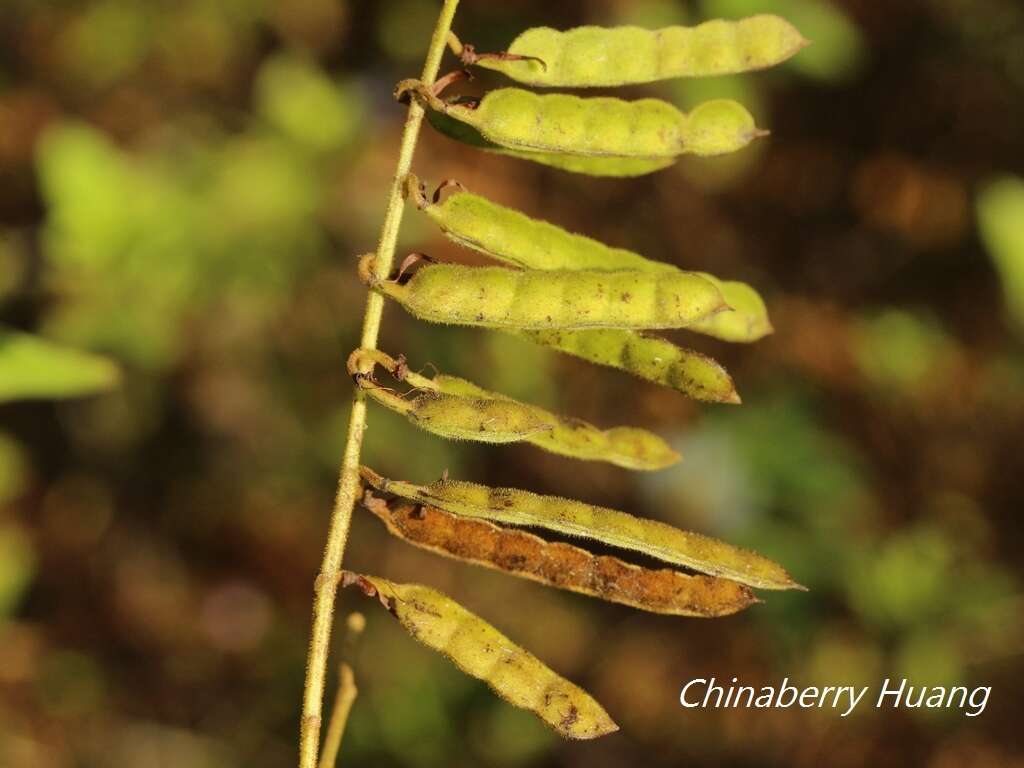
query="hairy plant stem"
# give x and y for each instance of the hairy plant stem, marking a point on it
(326, 585)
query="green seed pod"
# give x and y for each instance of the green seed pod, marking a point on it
(596, 56)
(747, 319)
(455, 408)
(494, 297)
(513, 237)
(482, 419)
(510, 506)
(510, 236)
(591, 165)
(627, 447)
(612, 167)
(646, 357)
(481, 651)
(647, 129)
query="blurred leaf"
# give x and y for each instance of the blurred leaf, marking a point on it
(107, 41)
(1001, 221)
(31, 367)
(839, 658)
(260, 190)
(930, 657)
(12, 263)
(105, 211)
(301, 101)
(71, 683)
(899, 350)
(905, 580)
(506, 738)
(404, 28)
(138, 243)
(17, 567)
(13, 468)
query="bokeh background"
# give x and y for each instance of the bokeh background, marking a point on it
(183, 188)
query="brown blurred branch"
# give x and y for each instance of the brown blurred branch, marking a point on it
(345, 697)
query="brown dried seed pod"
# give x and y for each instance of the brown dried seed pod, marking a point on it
(556, 564)
(516, 507)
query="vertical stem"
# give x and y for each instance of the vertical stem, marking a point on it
(326, 585)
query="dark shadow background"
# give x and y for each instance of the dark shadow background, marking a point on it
(184, 186)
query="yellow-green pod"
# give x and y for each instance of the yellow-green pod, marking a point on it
(481, 651)
(646, 357)
(628, 447)
(597, 56)
(558, 123)
(747, 318)
(514, 238)
(481, 419)
(495, 297)
(511, 506)
(458, 409)
(591, 165)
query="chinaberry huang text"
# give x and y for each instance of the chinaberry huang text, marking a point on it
(709, 693)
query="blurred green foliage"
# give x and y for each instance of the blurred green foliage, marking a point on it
(31, 367)
(1000, 216)
(17, 567)
(901, 352)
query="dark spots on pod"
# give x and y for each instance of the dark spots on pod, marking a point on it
(500, 498)
(570, 717)
(626, 357)
(512, 562)
(626, 297)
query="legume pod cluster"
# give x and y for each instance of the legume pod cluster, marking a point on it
(579, 296)
(604, 136)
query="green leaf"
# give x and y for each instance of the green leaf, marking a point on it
(1000, 216)
(31, 367)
